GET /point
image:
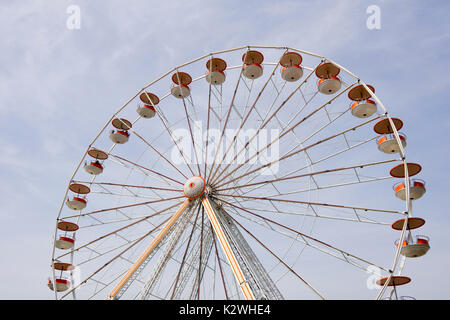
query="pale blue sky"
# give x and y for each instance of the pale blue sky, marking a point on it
(59, 86)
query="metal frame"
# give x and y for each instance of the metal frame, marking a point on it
(227, 236)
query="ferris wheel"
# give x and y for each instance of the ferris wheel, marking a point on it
(258, 172)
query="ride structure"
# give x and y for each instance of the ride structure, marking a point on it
(246, 173)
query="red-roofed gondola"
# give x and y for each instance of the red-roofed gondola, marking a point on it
(62, 284)
(363, 106)
(388, 143)
(180, 89)
(215, 74)
(66, 240)
(329, 82)
(121, 135)
(292, 71)
(252, 64)
(399, 170)
(416, 189)
(415, 246)
(413, 223)
(394, 281)
(147, 110)
(78, 202)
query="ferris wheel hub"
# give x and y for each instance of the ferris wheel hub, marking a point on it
(194, 187)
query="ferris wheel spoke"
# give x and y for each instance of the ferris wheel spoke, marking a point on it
(250, 90)
(130, 186)
(264, 123)
(141, 168)
(118, 230)
(326, 125)
(279, 259)
(243, 119)
(99, 254)
(219, 263)
(361, 165)
(199, 275)
(105, 285)
(341, 255)
(300, 143)
(127, 219)
(311, 163)
(104, 253)
(345, 255)
(142, 260)
(175, 142)
(283, 127)
(147, 169)
(237, 138)
(284, 133)
(190, 129)
(189, 274)
(135, 242)
(184, 255)
(159, 153)
(123, 207)
(205, 242)
(329, 186)
(290, 154)
(307, 214)
(312, 203)
(289, 176)
(208, 121)
(227, 118)
(131, 194)
(217, 93)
